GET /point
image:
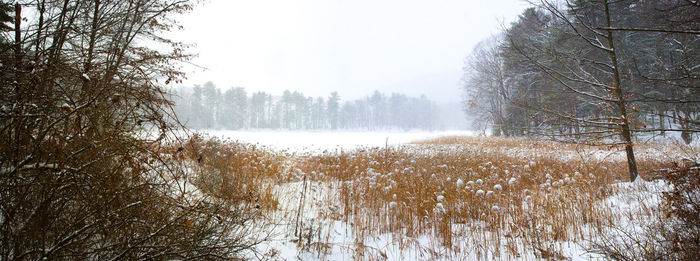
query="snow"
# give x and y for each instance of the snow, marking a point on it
(340, 243)
(439, 208)
(338, 238)
(460, 183)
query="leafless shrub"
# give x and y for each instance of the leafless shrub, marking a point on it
(90, 168)
(673, 232)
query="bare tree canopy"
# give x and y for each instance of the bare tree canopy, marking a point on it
(593, 71)
(88, 165)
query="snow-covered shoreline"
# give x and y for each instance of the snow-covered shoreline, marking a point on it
(329, 140)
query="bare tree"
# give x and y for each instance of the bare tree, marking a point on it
(591, 72)
(89, 168)
(487, 93)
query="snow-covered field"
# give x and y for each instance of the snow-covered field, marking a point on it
(360, 206)
(329, 140)
(636, 204)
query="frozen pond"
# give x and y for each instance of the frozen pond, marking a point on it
(329, 140)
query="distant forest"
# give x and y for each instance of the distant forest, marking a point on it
(208, 107)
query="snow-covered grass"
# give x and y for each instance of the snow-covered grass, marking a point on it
(462, 198)
(516, 198)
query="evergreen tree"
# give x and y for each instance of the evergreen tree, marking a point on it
(210, 105)
(333, 109)
(196, 110)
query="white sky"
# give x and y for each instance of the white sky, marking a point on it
(350, 46)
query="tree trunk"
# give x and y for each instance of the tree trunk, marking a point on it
(18, 38)
(661, 122)
(621, 104)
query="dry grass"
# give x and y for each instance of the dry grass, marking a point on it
(479, 197)
(528, 193)
(235, 172)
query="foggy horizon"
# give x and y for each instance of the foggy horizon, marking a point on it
(354, 48)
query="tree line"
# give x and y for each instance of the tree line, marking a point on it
(206, 106)
(591, 71)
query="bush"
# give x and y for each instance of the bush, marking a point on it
(672, 229)
(88, 169)
(683, 212)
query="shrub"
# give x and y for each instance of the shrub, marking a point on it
(666, 230)
(88, 169)
(683, 211)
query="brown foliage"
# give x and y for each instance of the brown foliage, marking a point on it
(83, 125)
(683, 206)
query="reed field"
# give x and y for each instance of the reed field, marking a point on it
(449, 198)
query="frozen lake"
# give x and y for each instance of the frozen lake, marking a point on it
(329, 140)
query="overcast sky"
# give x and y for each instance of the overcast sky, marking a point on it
(350, 46)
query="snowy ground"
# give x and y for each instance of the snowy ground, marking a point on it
(329, 140)
(335, 239)
(325, 235)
